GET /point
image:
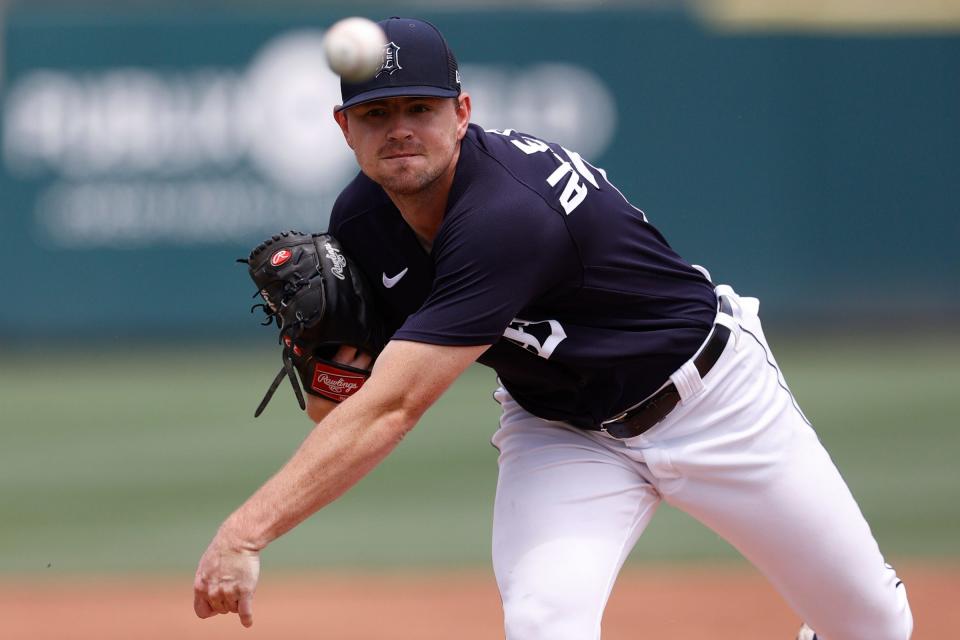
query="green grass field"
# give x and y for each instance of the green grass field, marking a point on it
(127, 460)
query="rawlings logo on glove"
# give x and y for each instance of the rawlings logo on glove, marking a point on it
(280, 257)
(320, 301)
(337, 261)
(337, 381)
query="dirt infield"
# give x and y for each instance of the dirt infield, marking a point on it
(661, 604)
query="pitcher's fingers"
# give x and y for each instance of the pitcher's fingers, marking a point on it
(345, 354)
(217, 600)
(363, 360)
(353, 356)
(200, 605)
(246, 610)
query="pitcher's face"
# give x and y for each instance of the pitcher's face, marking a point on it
(405, 144)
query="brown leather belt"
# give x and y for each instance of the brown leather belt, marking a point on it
(645, 415)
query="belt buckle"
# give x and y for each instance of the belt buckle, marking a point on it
(615, 420)
(620, 416)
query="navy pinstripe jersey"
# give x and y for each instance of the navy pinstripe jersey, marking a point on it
(587, 307)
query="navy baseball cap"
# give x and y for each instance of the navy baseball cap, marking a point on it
(416, 62)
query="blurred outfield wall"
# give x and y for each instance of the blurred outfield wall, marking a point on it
(143, 151)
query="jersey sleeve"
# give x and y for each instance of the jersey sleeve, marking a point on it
(490, 264)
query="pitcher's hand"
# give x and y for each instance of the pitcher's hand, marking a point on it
(226, 580)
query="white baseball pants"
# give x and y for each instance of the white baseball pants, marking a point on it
(737, 454)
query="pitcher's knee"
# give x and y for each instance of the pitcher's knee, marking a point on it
(537, 618)
(892, 620)
(895, 623)
(874, 621)
(898, 627)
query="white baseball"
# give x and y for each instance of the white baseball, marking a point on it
(354, 48)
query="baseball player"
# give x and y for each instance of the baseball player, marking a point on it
(626, 376)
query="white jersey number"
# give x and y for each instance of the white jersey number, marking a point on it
(536, 336)
(573, 168)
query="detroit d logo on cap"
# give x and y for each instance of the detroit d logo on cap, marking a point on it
(391, 61)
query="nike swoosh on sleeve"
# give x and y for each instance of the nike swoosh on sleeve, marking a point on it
(388, 282)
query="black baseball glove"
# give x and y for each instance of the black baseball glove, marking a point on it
(320, 301)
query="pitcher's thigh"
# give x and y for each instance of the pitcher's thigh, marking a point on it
(566, 515)
(799, 524)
